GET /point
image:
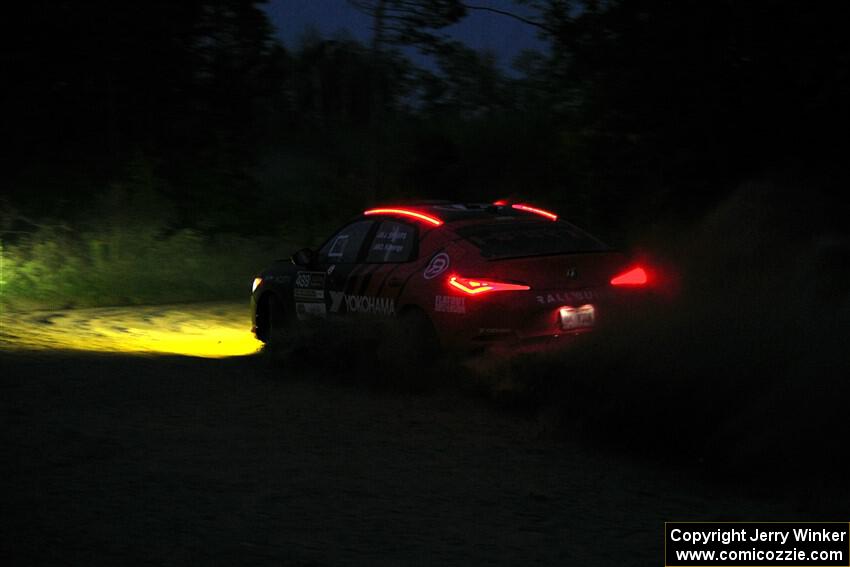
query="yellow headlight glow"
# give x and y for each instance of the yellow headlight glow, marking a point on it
(208, 330)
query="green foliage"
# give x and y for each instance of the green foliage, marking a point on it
(129, 247)
(121, 266)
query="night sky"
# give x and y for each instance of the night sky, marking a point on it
(503, 36)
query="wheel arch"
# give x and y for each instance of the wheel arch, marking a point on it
(265, 302)
(415, 310)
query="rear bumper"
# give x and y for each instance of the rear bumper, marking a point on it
(531, 320)
(515, 320)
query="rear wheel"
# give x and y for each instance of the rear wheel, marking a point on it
(416, 341)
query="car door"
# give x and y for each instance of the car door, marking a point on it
(392, 248)
(337, 267)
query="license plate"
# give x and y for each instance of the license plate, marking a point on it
(577, 317)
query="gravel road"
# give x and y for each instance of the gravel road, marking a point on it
(117, 459)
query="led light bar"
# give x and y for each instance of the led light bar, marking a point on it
(536, 211)
(405, 213)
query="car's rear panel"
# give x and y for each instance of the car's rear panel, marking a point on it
(554, 274)
(570, 293)
(525, 314)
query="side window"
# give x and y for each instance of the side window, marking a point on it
(394, 242)
(343, 247)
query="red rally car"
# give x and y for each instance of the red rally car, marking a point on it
(460, 275)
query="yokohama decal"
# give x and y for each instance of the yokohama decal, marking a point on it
(368, 304)
(361, 304)
(436, 266)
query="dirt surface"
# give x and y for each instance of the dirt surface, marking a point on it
(116, 459)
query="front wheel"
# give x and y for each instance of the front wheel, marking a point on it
(272, 323)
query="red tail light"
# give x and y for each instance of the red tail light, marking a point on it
(634, 277)
(536, 211)
(476, 286)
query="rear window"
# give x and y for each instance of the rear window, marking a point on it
(515, 240)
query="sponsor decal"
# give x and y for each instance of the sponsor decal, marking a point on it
(449, 304)
(331, 269)
(308, 294)
(436, 266)
(309, 310)
(362, 303)
(566, 297)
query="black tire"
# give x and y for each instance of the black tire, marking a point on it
(273, 324)
(417, 340)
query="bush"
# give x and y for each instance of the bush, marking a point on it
(119, 266)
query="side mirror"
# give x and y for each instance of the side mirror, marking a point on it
(304, 257)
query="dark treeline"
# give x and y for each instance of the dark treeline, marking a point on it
(638, 112)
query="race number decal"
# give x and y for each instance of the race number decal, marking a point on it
(309, 295)
(436, 266)
(310, 280)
